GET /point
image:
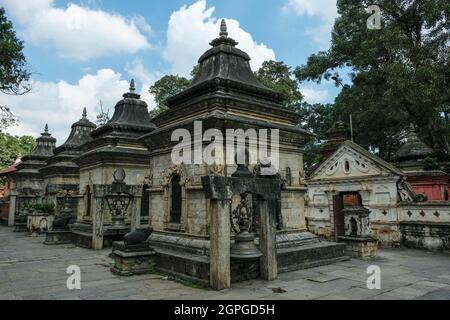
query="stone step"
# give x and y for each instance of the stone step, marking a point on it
(309, 256)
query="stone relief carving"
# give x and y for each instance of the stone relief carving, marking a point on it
(407, 194)
(148, 180)
(241, 217)
(99, 216)
(331, 170)
(175, 169)
(361, 166)
(301, 177)
(217, 170)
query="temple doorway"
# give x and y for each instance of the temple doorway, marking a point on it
(341, 201)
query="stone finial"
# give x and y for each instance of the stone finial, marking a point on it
(46, 128)
(223, 29)
(84, 113)
(132, 86)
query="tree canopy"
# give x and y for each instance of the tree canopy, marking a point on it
(14, 75)
(164, 88)
(399, 74)
(12, 147)
(277, 76)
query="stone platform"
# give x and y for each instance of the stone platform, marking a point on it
(31, 270)
(426, 235)
(360, 247)
(55, 237)
(132, 260)
(191, 261)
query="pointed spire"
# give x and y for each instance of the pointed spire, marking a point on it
(132, 86)
(223, 36)
(84, 113)
(223, 28)
(46, 128)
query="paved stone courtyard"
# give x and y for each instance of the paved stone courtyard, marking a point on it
(32, 270)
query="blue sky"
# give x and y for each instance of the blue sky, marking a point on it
(83, 52)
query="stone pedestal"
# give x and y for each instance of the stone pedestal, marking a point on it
(20, 227)
(55, 237)
(360, 247)
(132, 260)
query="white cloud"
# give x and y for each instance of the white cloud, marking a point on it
(145, 78)
(312, 95)
(61, 104)
(78, 32)
(192, 28)
(325, 10)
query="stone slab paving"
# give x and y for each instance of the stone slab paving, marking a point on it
(31, 270)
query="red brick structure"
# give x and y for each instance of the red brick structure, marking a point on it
(415, 159)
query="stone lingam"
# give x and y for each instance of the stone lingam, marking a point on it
(60, 232)
(133, 255)
(359, 242)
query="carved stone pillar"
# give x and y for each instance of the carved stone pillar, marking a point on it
(220, 275)
(97, 224)
(267, 241)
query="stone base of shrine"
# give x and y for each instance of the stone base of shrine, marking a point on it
(294, 252)
(426, 235)
(360, 247)
(82, 235)
(132, 260)
(55, 237)
(39, 223)
(20, 227)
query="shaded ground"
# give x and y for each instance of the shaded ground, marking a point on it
(32, 270)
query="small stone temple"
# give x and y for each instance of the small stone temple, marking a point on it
(28, 187)
(225, 94)
(350, 179)
(113, 146)
(415, 159)
(61, 176)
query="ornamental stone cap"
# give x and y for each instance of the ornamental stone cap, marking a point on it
(79, 134)
(413, 149)
(45, 145)
(130, 114)
(225, 66)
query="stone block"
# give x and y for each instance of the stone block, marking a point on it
(55, 237)
(129, 263)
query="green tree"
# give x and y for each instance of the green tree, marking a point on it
(14, 75)
(317, 119)
(277, 76)
(400, 73)
(12, 147)
(164, 88)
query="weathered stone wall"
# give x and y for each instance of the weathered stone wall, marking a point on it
(103, 175)
(425, 225)
(379, 195)
(421, 225)
(195, 207)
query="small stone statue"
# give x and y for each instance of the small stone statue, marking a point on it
(138, 236)
(62, 222)
(66, 216)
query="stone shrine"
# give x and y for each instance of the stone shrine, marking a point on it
(225, 95)
(113, 146)
(28, 183)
